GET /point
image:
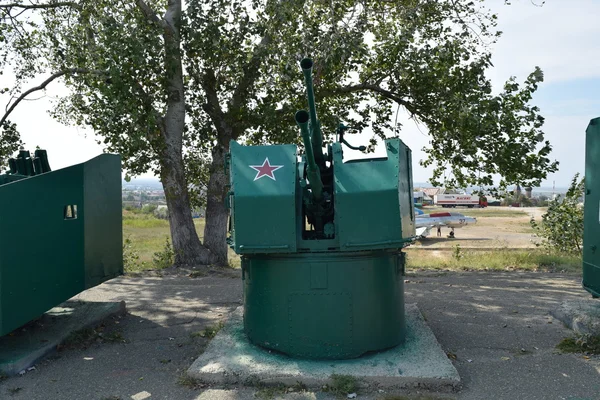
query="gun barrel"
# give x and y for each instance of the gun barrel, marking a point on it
(314, 176)
(317, 138)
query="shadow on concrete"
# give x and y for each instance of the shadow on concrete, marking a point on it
(498, 329)
(162, 333)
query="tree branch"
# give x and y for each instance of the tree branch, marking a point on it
(153, 17)
(147, 100)
(211, 106)
(42, 86)
(40, 6)
(372, 88)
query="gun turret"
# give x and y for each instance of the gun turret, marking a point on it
(312, 169)
(315, 125)
(327, 225)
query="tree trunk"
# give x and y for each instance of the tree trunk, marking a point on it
(215, 230)
(186, 245)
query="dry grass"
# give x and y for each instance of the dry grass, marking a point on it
(494, 260)
(147, 235)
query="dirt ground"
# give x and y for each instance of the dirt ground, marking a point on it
(495, 327)
(510, 230)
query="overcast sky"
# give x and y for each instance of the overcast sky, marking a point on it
(561, 37)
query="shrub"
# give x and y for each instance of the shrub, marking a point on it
(562, 226)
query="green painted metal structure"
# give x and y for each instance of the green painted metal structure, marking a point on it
(591, 226)
(321, 241)
(60, 233)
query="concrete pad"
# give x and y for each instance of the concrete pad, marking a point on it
(420, 362)
(581, 315)
(25, 346)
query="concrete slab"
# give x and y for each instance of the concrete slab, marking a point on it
(420, 362)
(25, 346)
(581, 315)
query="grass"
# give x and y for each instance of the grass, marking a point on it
(342, 385)
(497, 260)
(581, 344)
(269, 392)
(85, 337)
(147, 234)
(418, 397)
(210, 331)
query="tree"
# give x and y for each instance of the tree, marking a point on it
(123, 64)
(561, 228)
(170, 92)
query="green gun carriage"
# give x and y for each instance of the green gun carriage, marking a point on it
(321, 242)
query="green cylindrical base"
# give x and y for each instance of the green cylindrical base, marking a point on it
(325, 305)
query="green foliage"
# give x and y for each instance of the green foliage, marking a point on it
(85, 337)
(130, 256)
(147, 222)
(342, 384)
(588, 344)
(164, 258)
(149, 208)
(210, 331)
(9, 142)
(243, 81)
(457, 253)
(561, 228)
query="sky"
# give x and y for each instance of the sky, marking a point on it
(561, 38)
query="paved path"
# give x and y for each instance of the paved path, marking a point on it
(496, 324)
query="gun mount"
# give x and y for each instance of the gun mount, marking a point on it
(321, 241)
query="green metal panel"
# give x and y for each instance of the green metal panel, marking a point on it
(44, 252)
(103, 233)
(370, 210)
(263, 180)
(591, 234)
(327, 305)
(405, 191)
(41, 253)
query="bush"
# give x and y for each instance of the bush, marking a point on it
(562, 226)
(166, 257)
(149, 208)
(130, 256)
(162, 213)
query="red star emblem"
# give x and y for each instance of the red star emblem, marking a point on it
(266, 169)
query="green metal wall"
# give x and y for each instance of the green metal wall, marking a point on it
(591, 233)
(46, 258)
(263, 208)
(373, 199)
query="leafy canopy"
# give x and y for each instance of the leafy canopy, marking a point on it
(243, 82)
(561, 228)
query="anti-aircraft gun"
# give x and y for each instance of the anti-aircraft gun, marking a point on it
(321, 242)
